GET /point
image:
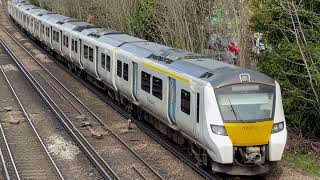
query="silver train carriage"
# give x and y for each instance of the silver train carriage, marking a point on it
(231, 118)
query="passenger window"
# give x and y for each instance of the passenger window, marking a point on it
(76, 46)
(119, 68)
(57, 36)
(103, 60)
(64, 40)
(85, 51)
(72, 45)
(157, 87)
(108, 63)
(90, 54)
(67, 41)
(145, 81)
(125, 71)
(185, 101)
(198, 104)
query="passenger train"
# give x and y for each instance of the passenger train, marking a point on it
(230, 118)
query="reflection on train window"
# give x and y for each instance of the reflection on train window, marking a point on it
(103, 60)
(125, 71)
(157, 87)
(108, 63)
(145, 81)
(185, 101)
(119, 68)
(85, 51)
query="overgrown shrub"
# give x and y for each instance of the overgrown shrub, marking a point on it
(291, 29)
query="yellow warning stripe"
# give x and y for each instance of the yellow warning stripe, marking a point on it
(160, 70)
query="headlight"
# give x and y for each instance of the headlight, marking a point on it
(277, 127)
(220, 130)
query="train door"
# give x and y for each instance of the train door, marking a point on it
(61, 39)
(172, 100)
(80, 53)
(198, 122)
(51, 37)
(97, 63)
(135, 80)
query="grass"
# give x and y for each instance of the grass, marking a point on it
(304, 162)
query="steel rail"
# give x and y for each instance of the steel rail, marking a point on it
(31, 123)
(4, 164)
(143, 126)
(84, 145)
(88, 109)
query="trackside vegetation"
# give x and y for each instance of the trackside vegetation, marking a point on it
(291, 30)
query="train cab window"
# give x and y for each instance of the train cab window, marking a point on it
(157, 87)
(90, 54)
(76, 46)
(103, 60)
(145, 81)
(108, 63)
(185, 101)
(119, 68)
(125, 71)
(85, 51)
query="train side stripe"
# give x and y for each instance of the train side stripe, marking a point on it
(160, 70)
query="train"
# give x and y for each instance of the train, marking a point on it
(229, 118)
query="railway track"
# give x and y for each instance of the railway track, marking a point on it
(139, 167)
(154, 134)
(8, 166)
(34, 160)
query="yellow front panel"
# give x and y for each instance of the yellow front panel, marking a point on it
(249, 134)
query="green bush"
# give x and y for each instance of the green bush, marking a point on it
(292, 33)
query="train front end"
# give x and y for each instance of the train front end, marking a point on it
(250, 134)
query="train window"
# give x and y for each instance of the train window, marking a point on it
(108, 63)
(125, 71)
(157, 87)
(103, 60)
(185, 101)
(85, 51)
(64, 40)
(72, 45)
(76, 46)
(56, 36)
(67, 41)
(198, 104)
(90, 54)
(119, 68)
(145, 81)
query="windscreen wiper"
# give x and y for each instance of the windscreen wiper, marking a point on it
(234, 112)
